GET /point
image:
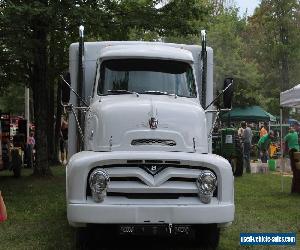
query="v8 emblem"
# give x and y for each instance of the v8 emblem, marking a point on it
(153, 169)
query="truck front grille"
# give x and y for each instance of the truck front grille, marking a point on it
(136, 181)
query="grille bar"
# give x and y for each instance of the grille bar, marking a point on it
(152, 196)
(137, 187)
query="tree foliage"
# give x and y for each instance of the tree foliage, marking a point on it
(225, 37)
(260, 52)
(272, 41)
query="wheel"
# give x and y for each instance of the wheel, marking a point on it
(207, 236)
(82, 239)
(16, 162)
(94, 237)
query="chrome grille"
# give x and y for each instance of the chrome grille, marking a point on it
(161, 142)
(132, 181)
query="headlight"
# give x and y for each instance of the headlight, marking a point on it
(98, 181)
(206, 183)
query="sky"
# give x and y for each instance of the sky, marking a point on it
(250, 5)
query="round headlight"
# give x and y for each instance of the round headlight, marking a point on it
(207, 183)
(98, 181)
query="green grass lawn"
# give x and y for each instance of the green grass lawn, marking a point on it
(37, 211)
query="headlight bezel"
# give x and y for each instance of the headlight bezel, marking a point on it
(207, 184)
(98, 182)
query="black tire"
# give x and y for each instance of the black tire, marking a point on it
(93, 237)
(207, 236)
(82, 239)
(16, 162)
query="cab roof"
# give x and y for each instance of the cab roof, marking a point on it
(141, 51)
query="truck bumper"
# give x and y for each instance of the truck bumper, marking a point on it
(82, 210)
(215, 212)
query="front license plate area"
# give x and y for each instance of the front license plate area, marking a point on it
(143, 230)
(155, 229)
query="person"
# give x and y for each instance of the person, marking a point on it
(247, 140)
(263, 146)
(63, 140)
(263, 130)
(31, 140)
(241, 130)
(30, 150)
(291, 139)
(3, 214)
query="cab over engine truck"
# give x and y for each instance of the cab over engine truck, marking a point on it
(141, 160)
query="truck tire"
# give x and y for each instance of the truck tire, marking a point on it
(94, 237)
(207, 236)
(16, 162)
(82, 239)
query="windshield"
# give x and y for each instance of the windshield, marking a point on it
(145, 76)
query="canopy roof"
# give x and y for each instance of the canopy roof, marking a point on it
(290, 97)
(251, 113)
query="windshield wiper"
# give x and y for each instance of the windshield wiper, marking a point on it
(156, 92)
(122, 91)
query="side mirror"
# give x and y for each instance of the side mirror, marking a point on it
(65, 89)
(228, 93)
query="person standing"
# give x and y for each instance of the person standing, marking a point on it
(3, 214)
(241, 130)
(263, 146)
(64, 140)
(293, 146)
(247, 142)
(263, 130)
(30, 150)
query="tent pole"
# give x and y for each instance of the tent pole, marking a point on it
(281, 149)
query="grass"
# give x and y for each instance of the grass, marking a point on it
(262, 207)
(37, 211)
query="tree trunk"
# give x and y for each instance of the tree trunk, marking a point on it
(50, 134)
(41, 99)
(58, 119)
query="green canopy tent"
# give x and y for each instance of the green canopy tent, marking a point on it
(251, 113)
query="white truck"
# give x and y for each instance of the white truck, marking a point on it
(145, 164)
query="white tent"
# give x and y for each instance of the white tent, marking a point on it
(289, 98)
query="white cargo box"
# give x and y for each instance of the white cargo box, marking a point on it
(259, 168)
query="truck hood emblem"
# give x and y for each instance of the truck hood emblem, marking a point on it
(153, 169)
(153, 122)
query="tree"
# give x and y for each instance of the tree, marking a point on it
(13, 92)
(225, 36)
(272, 40)
(28, 25)
(36, 36)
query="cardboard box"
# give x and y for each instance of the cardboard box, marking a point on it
(259, 168)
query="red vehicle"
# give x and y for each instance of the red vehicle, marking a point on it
(10, 155)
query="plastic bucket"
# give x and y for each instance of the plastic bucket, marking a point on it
(272, 164)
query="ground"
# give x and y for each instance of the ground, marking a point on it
(37, 211)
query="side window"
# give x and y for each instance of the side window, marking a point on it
(95, 78)
(191, 81)
(101, 73)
